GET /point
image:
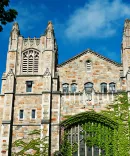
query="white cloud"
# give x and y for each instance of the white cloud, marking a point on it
(97, 19)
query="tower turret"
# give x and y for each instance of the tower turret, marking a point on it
(50, 36)
(13, 41)
(126, 46)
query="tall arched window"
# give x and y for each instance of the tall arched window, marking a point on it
(112, 87)
(88, 87)
(30, 59)
(103, 87)
(65, 87)
(73, 87)
(88, 66)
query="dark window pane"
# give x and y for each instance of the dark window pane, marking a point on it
(104, 88)
(82, 148)
(33, 113)
(89, 151)
(29, 86)
(21, 114)
(96, 151)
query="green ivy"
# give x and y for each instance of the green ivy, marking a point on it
(109, 130)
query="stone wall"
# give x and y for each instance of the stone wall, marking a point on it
(102, 71)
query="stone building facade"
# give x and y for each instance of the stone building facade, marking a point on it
(38, 93)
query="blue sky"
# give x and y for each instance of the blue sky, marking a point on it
(78, 24)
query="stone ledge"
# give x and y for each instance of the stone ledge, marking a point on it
(56, 92)
(45, 121)
(26, 125)
(6, 122)
(9, 93)
(2, 94)
(53, 124)
(28, 94)
(27, 75)
(53, 92)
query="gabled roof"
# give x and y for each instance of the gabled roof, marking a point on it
(92, 52)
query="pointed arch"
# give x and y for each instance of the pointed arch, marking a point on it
(30, 61)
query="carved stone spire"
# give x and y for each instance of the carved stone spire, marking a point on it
(15, 32)
(49, 32)
(15, 27)
(50, 36)
(50, 26)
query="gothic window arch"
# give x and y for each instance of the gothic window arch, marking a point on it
(73, 87)
(88, 65)
(65, 88)
(87, 131)
(88, 87)
(103, 87)
(30, 61)
(112, 87)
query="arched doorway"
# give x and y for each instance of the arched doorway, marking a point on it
(93, 133)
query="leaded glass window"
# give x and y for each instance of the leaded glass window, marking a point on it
(33, 113)
(30, 61)
(77, 134)
(88, 87)
(112, 87)
(65, 88)
(21, 114)
(29, 86)
(73, 88)
(103, 87)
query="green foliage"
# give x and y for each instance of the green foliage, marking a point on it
(89, 116)
(109, 130)
(39, 146)
(6, 15)
(66, 149)
(119, 112)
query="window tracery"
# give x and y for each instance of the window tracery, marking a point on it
(30, 61)
(76, 135)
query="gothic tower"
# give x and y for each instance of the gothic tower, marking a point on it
(126, 53)
(28, 87)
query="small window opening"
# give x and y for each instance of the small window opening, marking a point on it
(29, 86)
(21, 114)
(33, 114)
(73, 88)
(65, 88)
(112, 87)
(103, 88)
(88, 87)
(88, 66)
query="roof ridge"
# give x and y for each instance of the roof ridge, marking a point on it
(91, 51)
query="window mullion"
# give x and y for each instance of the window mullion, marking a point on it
(33, 61)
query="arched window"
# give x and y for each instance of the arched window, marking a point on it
(30, 59)
(88, 87)
(65, 88)
(73, 87)
(112, 87)
(103, 87)
(88, 66)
